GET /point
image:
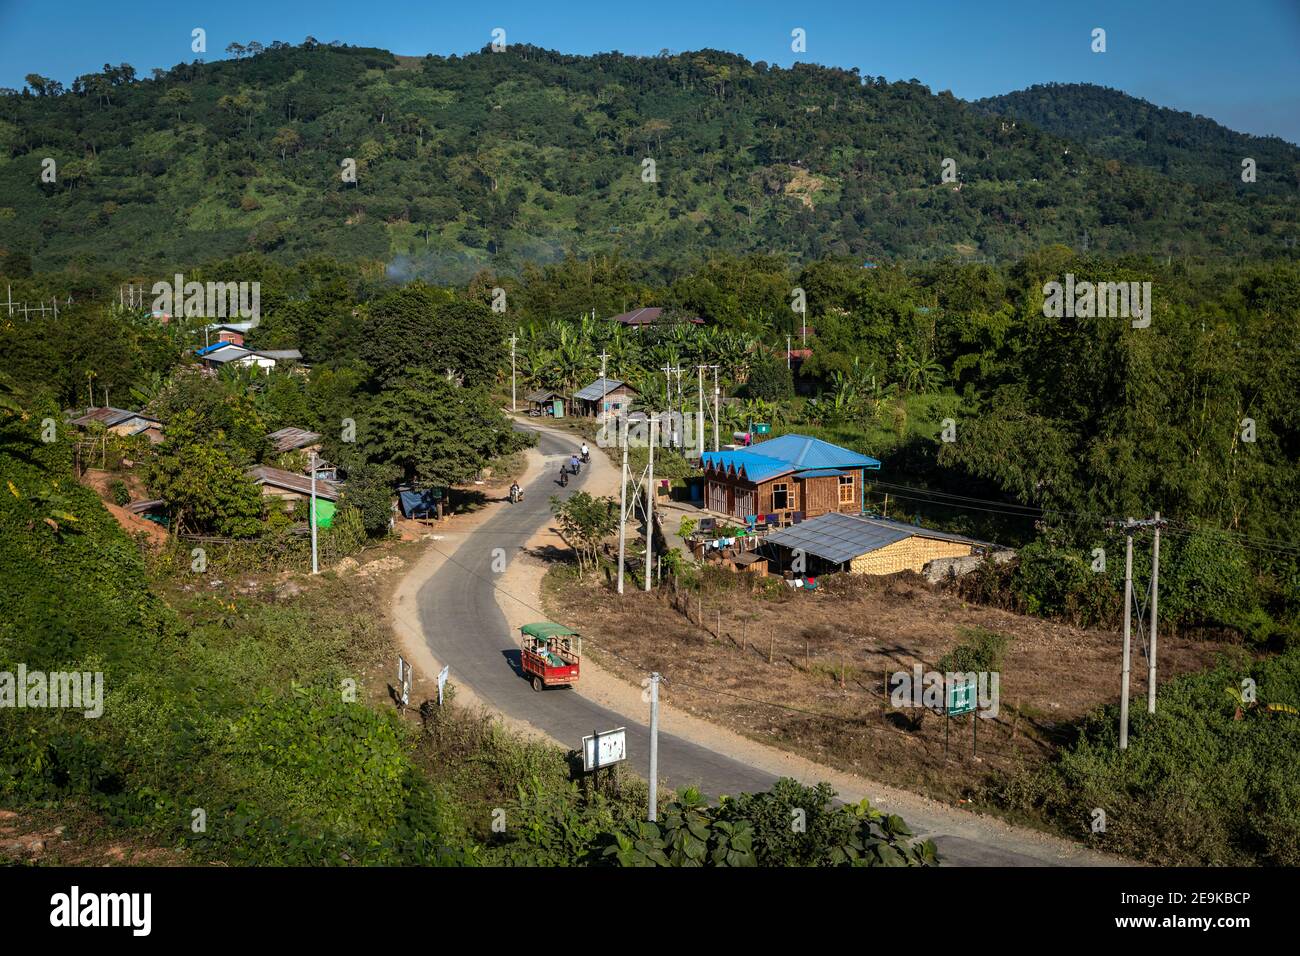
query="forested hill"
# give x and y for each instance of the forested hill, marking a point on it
(1182, 145)
(527, 154)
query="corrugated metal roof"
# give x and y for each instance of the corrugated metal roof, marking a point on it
(821, 473)
(839, 537)
(804, 452)
(753, 466)
(108, 416)
(540, 395)
(836, 537)
(602, 386)
(279, 478)
(287, 439)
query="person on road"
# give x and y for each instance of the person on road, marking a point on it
(586, 453)
(514, 492)
(564, 476)
(573, 464)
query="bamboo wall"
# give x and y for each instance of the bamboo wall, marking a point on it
(910, 554)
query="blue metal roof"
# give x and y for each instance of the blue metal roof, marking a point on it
(803, 452)
(213, 347)
(755, 467)
(821, 473)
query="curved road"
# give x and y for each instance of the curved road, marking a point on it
(464, 627)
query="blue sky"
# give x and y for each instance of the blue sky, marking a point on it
(1236, 62)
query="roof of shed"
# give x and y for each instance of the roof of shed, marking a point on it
(838, 537)
(602, 386)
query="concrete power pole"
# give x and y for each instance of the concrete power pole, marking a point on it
(1131, 525)
(513, 405)
(700, 425)
(315, 564)
(1128, 615)
(604, 391)
(650, 504)
(1155, 614)
(716, 393)
(622, 508)
(654, 747)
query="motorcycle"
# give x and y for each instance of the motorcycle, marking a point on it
(564, 477)
(586, 457)
(516, 495)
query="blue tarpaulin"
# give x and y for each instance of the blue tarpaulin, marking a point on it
(420, 504)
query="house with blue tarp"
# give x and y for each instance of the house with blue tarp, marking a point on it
(785, 480)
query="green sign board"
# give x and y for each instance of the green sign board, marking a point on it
(961, 698)
(762, 428)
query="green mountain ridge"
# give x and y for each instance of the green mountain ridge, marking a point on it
(1116, 125)
(499, 159)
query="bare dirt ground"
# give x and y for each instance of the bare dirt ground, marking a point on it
(807, 670)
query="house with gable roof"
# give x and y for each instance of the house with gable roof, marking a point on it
(785, 480)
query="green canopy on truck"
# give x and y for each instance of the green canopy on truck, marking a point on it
(545, 629)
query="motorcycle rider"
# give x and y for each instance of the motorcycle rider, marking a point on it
(564, 476)
(573, 464)
(586, 453)
(514, 491)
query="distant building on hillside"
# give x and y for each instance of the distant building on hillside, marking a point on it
(122, 422)
(649, 315)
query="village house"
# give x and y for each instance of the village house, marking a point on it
(120, 421)
(650, 315)
(861, 545)
(290, 488)
(232, 332)
(785, 480)
(546, 403)
(605, 396)
(221, 354)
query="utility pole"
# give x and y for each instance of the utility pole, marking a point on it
(650, 504)
(700, 426)
(513, 406)
(315, 564)
(604, 390)
(622, 507)
(787, 351)
(654, 747)
(716, 393)
(1155, 613)
(1130, 525)
(1128, 614)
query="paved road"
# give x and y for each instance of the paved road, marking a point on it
(465, 628)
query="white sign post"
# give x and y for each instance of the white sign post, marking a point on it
(442, 681)
(604, 749)
(404, 680)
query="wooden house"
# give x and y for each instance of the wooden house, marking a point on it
(786, 479)
(605, 396)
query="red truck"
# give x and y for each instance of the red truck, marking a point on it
(551, 654)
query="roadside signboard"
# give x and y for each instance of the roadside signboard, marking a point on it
(961, 698)
(604, 749)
